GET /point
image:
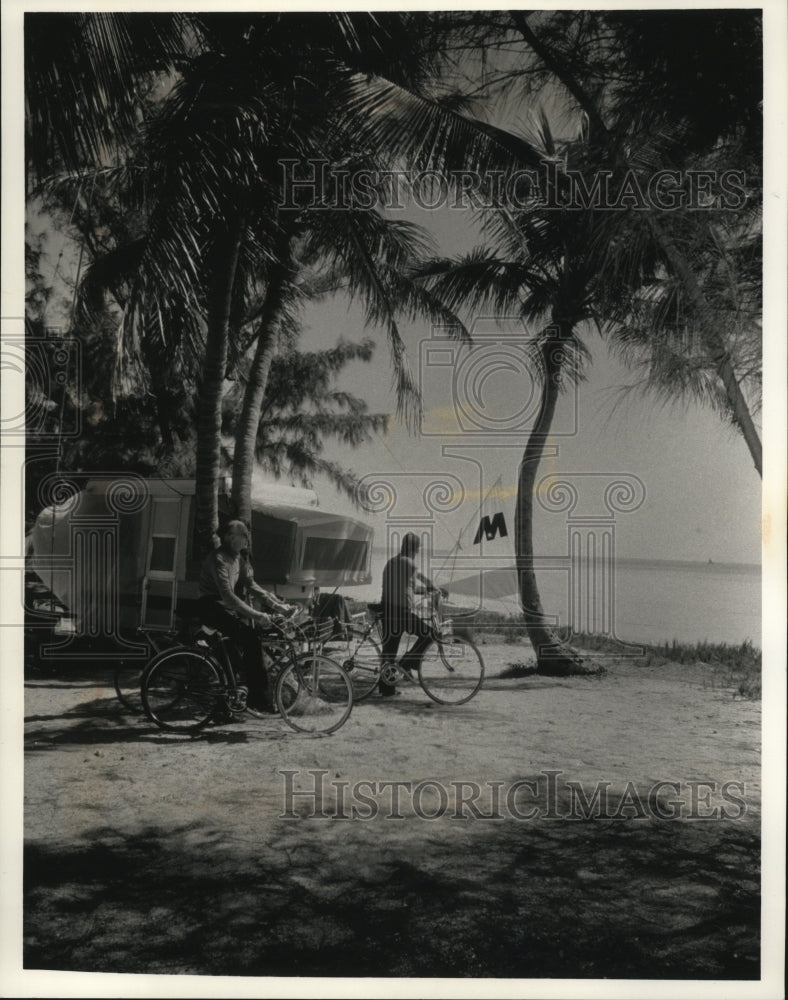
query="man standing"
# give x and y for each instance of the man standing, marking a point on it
(402, 581)
(221, 608)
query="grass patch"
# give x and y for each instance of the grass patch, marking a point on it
(708, 652)
(738, 667)
(731, 666)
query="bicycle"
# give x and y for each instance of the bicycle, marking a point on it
(127, 677)
(185, 687)
(451, 670)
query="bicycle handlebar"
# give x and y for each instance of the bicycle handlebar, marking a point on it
(280, 622)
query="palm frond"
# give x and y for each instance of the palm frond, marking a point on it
(83, 74)
(420, 131)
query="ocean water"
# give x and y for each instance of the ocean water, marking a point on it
(657, 602)
(653, 601)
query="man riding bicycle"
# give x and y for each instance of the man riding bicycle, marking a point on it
(220, 607)
(402, 581)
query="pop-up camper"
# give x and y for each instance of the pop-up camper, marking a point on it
(122, 551)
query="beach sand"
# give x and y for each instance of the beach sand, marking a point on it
(155, 853)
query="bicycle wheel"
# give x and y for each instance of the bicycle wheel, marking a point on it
(127, 680)
(452, 671)
(181, 689)
(314, 694)
(361, 658)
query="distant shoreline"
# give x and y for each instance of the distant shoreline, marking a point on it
(673, 563)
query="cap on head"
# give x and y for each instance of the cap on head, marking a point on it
(410, 544)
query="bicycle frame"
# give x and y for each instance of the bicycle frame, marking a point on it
(183, 686)
(451, 669)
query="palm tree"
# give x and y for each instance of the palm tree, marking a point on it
(649, 99)
(535, 265)
(684, 85)
(417, 124)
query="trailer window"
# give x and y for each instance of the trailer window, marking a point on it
(162, 556)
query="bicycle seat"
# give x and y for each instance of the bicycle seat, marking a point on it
(376, 609)
(207, 636)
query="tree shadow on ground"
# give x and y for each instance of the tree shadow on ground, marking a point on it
(106, 722)
(590, 899)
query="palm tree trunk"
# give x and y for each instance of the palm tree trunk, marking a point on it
(552, 656)
(209, 421)
(721, 356)
(158, 370)
(249, 422)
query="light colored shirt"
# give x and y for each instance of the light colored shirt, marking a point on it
(219, 575)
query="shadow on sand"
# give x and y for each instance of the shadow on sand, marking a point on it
(650, 900)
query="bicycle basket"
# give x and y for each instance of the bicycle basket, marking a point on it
(317, 632)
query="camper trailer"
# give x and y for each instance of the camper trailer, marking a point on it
(122, 551)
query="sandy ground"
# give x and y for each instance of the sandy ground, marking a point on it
(153, 853)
